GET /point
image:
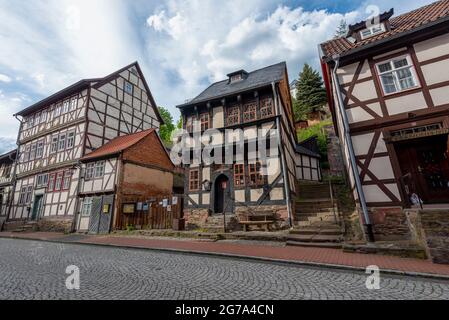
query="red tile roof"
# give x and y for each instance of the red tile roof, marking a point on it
(118, 145)
(399, 24)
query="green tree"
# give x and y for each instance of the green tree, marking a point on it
(311, 95)
(342, 29)
(180, 124)
(166, 129)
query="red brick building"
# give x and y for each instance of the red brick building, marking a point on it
(135, 165)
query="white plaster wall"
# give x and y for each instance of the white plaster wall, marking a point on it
(407, 103)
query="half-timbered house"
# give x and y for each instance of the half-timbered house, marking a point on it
(58, 131)
(250, 102)
(388, 89)
(7, 166)
(135, 165)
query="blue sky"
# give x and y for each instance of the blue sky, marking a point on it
(182, 46)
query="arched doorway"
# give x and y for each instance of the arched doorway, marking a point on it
(221, 194)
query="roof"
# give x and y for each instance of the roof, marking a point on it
(86, 83)
(408, 22)
(9, 155)
(117, 145)
(255, 79)
(302, 150)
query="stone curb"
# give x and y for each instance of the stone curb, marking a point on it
(433, 276)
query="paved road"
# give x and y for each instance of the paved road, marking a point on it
(36, 270)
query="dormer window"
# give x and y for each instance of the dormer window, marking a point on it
(237, 76)
(372, 31)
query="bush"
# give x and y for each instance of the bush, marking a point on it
(318, 131)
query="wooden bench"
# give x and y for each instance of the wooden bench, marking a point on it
(259, 220)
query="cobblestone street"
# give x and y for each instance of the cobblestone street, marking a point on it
(36, 270)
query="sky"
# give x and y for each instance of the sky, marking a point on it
(182, 45)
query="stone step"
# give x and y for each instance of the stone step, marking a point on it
(315, 224)
(329, 245)
(312, 230)
(317, 238)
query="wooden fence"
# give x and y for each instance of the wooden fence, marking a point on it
(149, 213)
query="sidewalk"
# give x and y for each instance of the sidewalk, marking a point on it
(323, 257)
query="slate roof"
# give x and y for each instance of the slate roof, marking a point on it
(255, 79)
(302, 150)
(409, 21)
(117, 145)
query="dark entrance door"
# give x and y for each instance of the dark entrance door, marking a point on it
(426, 160)
(221, 198)
(37, 207)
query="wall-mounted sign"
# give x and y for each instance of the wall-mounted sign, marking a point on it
(165, 203)
(139, 206)
(106, 208)
(129, 208)
(145, 207)
(169, 208)
(174, 201)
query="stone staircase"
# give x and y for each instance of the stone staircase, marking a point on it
(214, 223)
(20, 227)
(316, 218)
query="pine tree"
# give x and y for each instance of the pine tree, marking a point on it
(311, 95)
(342, 29)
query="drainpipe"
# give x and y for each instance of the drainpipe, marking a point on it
(347, 137)
(283, 162)
(14, 171)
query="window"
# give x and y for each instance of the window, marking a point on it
(233, 115)
(372, 31)
(26, 154)
(42, 180)
(239, 175)
(6, 171)
(99, 169)
(65, 107)
(58, 181)
(89, 171)
(128, 87)
(22, 195)
(397, 75)
(54, 144)
(236, 77)
(87, 207)
(40, 149)
(57, 111)
(31, 122)
(33, 151)
(204, 119)
(29, 193)
(255, 178)
(37, 118)
(70, 139)
(67, 179)
(194, 180)
(266, 107)
(44, 116)
(61, 144)
(189, 124)
(249, 112)
(51, 182)
(73, 104)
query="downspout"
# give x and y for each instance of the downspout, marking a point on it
(283, 162)
(347, 138)
(16, 162)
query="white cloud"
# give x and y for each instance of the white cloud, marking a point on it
(200, 40)
(5, 78)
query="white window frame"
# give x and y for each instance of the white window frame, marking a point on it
(54, 144)
(62, 141)
(40, 149)
(86, 209)
(33, 150)
(372, 31)
(100, 168)
(73, 104)
(70, 140)
(65, 106)
(28, 194)
(394, 72)
(42, 180)
(90, 171)
(126, 87)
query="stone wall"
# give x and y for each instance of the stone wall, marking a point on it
(201, 219)
(389, 224)
(431, 229)
(55, 225)
(334, 154)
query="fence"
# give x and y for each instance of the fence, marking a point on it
(150, 212)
